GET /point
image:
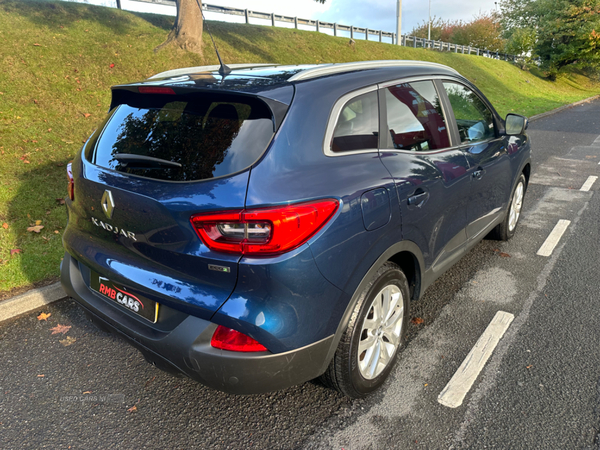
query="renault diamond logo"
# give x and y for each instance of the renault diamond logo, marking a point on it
(108, 204)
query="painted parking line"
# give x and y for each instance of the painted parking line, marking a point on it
(459, 385)
(552, 240)
(588, 183)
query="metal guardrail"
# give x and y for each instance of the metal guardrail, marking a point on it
(407, 41)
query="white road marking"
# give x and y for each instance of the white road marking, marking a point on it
(588, 183)
(459, 385)
(552, 240)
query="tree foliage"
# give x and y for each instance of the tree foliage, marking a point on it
(567, 32)
(484, 31)
(521, 43)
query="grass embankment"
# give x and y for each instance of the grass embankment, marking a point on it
(59, 60)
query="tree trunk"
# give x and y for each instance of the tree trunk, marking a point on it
(187, 30)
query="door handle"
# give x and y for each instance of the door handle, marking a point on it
(478, 174)
(418, 198)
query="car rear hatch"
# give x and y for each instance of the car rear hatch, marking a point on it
(161, 156)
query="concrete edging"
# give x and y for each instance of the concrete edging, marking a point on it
(562, 108)
(33, 299)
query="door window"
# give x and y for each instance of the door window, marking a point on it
(474, 119)
(415, 120)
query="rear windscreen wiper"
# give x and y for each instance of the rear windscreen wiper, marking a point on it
(144, 161)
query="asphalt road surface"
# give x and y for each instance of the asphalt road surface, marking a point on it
(539, 389)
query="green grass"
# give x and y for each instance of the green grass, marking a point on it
(54, 90)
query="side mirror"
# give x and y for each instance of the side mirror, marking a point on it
(516, 124)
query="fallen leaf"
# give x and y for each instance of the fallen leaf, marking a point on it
(417, 321)
(111, 66)
(60, 329)
(504, 255)
(38, 222)
(60, 201)
(86, 115)
(44, 316)
(26, 162)
(56, 232)
(132, 409)
(49, 130)
(5, 226)
(35, 229)
(48, 213)
(15, 251)
(68, 341)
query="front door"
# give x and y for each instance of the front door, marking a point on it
(489, 163)
(431, 178)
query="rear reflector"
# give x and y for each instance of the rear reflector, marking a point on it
(263, 231)
(71, 182)
(155, 90)
(234, 341)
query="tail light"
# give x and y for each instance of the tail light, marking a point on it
(232, 340)
(71, 182)
(263, 231)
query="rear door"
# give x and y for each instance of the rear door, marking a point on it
(489, 162)
(431, 178)
(156, 161)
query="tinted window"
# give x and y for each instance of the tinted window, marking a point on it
(206, 137)
(415, 118)
(358, 125)
(474, 119)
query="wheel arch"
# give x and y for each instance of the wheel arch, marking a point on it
(408, 256)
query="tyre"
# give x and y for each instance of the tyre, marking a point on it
(374, 336)
(506, 229)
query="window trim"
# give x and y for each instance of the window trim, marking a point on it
(333, 120)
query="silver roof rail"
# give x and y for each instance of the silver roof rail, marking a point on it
(188, 70)
(330, 69)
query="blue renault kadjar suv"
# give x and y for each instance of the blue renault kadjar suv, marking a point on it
(270, 226)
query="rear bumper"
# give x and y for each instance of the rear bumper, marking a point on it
(181, 343)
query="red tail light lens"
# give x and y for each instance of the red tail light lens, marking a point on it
(71, 182)
(263, 231)
(234, 341)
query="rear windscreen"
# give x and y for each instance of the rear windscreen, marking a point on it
(183, 139)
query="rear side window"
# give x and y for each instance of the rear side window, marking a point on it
(415, 120)
(357, 127)
(184, 139)
(474, 119)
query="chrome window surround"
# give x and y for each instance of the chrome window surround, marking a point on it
(337, 109)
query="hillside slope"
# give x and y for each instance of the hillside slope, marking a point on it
(59, 60)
